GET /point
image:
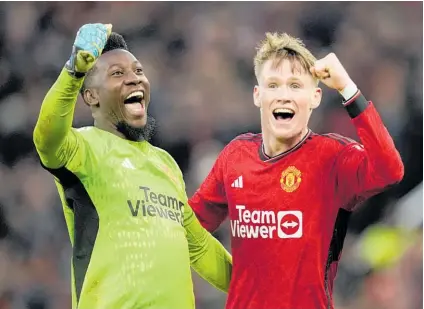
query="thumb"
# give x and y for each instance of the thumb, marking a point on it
(313, 72)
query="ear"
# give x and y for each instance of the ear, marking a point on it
(91, 97)
(316, 98)
(256, 96)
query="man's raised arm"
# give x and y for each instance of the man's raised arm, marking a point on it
(361, 170)
(53, 138)
(52, 134)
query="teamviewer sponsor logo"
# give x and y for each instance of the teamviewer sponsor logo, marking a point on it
(157, 205)
(266, 224)
(290, 224)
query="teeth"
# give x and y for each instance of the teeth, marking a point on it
(135, 94)
(283, 110)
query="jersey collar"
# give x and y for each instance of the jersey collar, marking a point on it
(265, 158)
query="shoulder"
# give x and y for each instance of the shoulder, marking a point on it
(84, 130)
(161, 153)
(333, 142)
(242, 142)
(98, 137)
(246, 139)
(89, 133)
(167, 163)
(94, 138)
(334, 139)
(98, 141)
(165, 157)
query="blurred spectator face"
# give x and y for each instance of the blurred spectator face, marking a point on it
(119, 90)
(286, 96)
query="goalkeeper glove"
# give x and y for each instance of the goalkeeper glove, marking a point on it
(88, 46)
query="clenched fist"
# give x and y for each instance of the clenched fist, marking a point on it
(89, 43)
(331, 72)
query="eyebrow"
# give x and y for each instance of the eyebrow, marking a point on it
(119, 65)
(279, 78)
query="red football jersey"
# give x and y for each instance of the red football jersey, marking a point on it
(289, 214)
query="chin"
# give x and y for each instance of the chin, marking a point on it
(138, 129)
(137, 123)
(286, 133)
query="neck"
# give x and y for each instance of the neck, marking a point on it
(274, 146)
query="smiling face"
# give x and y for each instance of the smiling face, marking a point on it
(286, 92)
(286, 95)
(118, 91)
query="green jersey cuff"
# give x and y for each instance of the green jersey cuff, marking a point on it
(69, 81)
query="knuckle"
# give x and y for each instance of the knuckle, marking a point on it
(333, 57)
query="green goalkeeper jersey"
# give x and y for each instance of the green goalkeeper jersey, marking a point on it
(132, 232)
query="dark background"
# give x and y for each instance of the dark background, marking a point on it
(198, 58)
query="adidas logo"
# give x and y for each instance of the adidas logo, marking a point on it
(238, 183)
(127, 163)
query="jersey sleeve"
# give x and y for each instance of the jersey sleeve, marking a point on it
(209, 202)
(57, 144)
(208, 256)
(363, 170)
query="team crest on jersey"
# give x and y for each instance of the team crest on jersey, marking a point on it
(290, 179)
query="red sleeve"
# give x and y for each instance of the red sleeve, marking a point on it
(209, 202)
(363, 170)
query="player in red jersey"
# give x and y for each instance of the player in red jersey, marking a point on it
(288, 191)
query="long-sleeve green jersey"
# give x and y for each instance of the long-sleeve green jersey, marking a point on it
(133, 235)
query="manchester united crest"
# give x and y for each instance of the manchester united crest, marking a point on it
(290, 179)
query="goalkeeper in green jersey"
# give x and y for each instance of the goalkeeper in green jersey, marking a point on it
(133, 235)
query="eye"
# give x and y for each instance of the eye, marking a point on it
(295, 85)
(139, 71)
(272, 85)
(117, 73)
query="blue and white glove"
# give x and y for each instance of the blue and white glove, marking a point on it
(88, 46)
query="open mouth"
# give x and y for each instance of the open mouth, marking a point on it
(283, 114)
(134, 97)
(134, 103)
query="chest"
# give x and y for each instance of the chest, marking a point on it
(281, 199)
(289, 180)
(137, 187)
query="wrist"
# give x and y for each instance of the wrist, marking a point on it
(71, 64)
(69, 81)
(349, 91)
(71, 70)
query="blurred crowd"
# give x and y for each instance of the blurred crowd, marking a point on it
(198, 58)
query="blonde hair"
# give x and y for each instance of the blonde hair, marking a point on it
(280, 46)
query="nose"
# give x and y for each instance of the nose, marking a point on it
(132, 79)
(283, 95)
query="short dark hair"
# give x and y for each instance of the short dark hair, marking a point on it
(115, 41)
